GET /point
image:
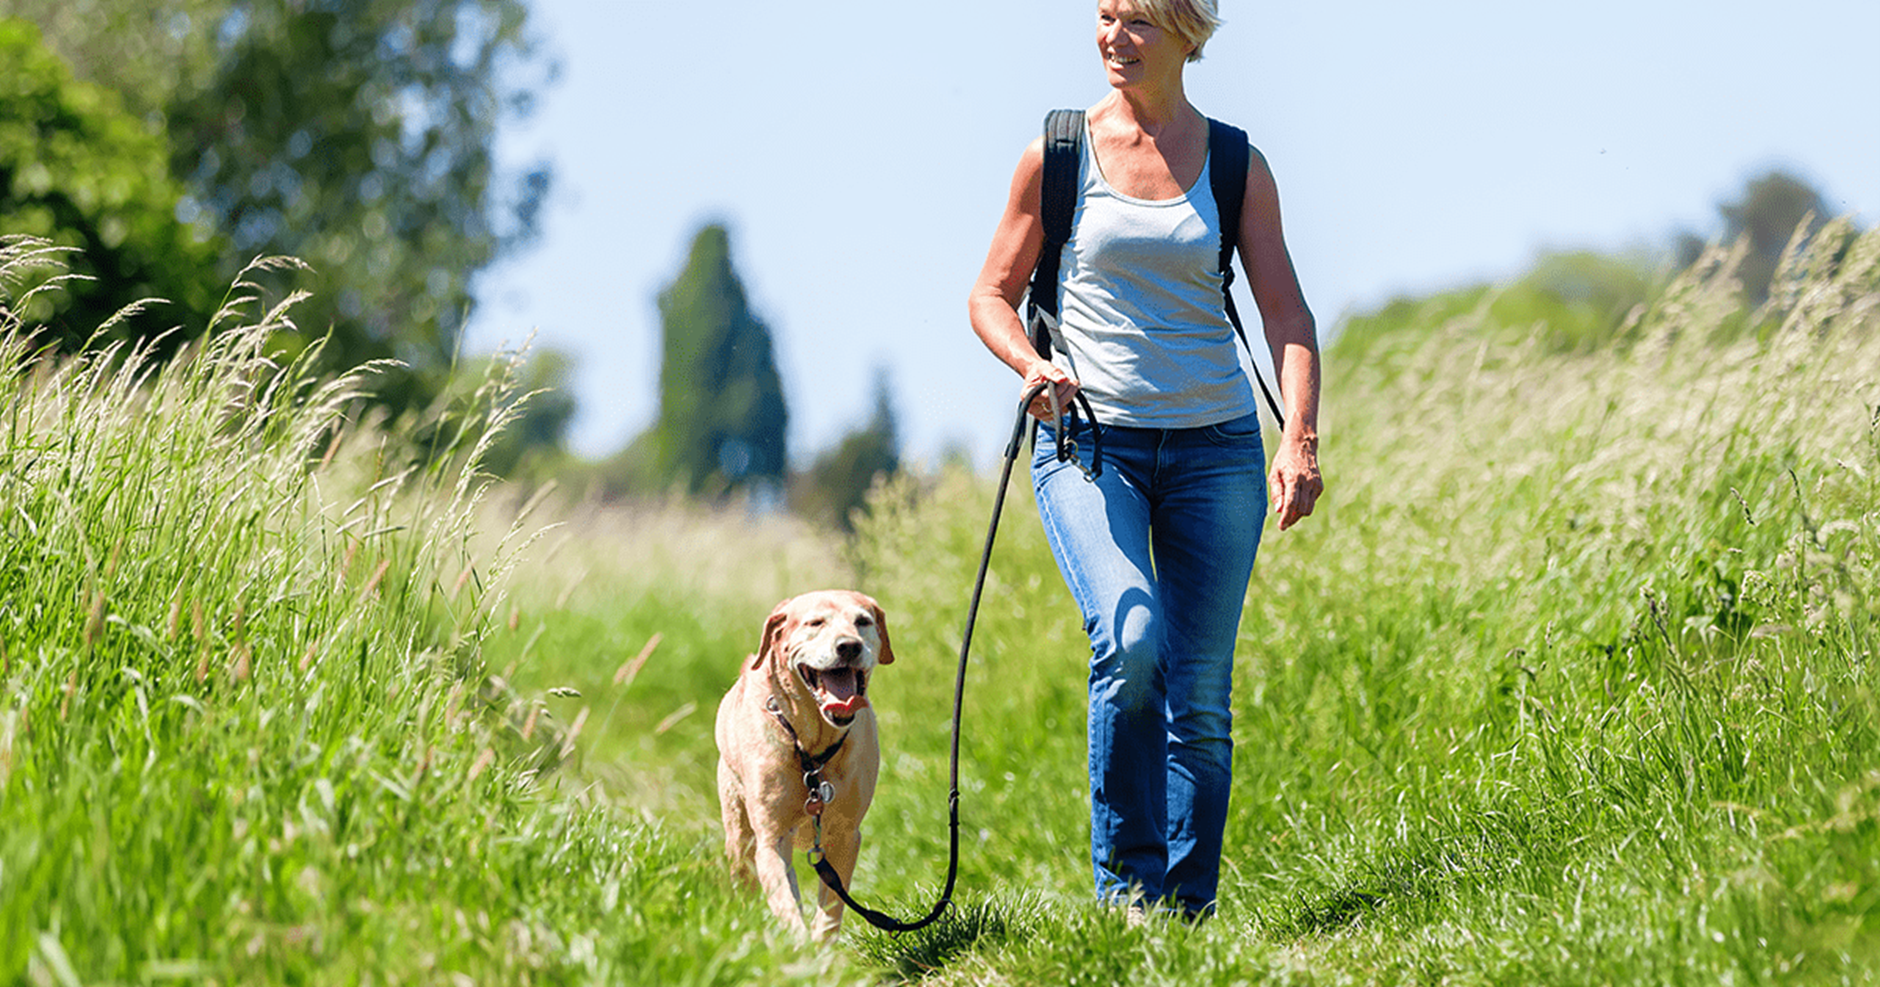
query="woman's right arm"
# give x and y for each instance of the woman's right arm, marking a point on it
(993, 306)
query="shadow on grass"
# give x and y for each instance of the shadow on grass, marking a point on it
(913, 956)
(1408, 876)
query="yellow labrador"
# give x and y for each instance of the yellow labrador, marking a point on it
(796, 740)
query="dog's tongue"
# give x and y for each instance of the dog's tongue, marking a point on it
(838, 692)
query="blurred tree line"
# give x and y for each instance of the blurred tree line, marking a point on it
(1580, 301)
(169, 142)
(172, 141)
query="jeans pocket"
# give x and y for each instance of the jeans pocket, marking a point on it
(1236, 431)
(1044, 461)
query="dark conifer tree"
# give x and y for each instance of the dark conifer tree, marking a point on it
(722, 415)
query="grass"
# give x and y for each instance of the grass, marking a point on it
(1570, 681)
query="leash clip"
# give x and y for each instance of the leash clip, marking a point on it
(1064, 425)
(1090, 474)
(821, 793)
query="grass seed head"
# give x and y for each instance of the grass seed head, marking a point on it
(346, 561)
(462, 577)
(672, 719)
(94, 620)
(372, 583)
(574, 731)
(627, 672)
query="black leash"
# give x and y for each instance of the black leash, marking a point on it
(1067, 449)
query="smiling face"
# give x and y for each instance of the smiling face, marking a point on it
(1135, 49)
(830, 641)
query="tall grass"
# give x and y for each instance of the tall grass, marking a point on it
(1583, 657)
(246, 730)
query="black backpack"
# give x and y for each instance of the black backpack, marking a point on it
(1063, 152)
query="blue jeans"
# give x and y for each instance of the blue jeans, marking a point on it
(1157, 553)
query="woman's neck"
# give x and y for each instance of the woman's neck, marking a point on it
(1151, 111)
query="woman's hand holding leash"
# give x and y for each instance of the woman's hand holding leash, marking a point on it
(1064, 384)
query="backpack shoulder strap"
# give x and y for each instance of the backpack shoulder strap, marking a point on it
(1227, 179)
(1229, 156)
(1063, 156)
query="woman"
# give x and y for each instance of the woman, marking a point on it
(1159, 549)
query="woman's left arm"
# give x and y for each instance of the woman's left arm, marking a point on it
(1295, 484)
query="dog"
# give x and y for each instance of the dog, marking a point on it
(797, 740)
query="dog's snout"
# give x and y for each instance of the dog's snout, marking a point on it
(849, 648)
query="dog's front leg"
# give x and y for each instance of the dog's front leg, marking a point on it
(740, 840)
(841, 846)
(778, 879)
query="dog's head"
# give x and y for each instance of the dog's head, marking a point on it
(830, 641)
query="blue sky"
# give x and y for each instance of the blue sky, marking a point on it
(860, 154)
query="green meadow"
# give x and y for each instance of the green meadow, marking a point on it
(1570, 680)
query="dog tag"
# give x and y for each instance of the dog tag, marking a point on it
(821, 793)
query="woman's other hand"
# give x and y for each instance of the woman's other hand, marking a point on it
(1295, 484)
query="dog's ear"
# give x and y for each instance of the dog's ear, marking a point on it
(773, 634)
(886, 657)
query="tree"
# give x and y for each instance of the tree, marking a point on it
(356, 135)
(837, 484)
(722, 414)
(80, 172)
(1772, 207)
(146, 51)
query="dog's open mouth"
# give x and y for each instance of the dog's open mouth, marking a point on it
(840, 692)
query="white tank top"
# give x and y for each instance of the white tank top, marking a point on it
(1144, 331)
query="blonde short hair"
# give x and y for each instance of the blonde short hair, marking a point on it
(1193, 21)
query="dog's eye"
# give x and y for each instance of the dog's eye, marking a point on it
(814, 622)
(864, 621)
